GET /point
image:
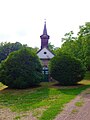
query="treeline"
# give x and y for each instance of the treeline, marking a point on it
(6, 48)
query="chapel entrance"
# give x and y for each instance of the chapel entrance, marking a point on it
(45, 72)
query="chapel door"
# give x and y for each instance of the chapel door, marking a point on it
(45, 74)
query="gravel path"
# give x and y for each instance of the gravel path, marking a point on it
(76, 112)
(7, 114)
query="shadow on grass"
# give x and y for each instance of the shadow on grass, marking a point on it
(71, 90)
(23, 99)
(6, 88)
(39, 96)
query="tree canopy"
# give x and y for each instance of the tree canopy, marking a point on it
(78, 46)
(7, 48)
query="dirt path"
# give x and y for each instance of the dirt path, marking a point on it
(77, 109)
(7, 114)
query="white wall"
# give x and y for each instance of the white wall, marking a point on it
(42, 54)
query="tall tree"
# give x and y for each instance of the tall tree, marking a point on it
(68, 37)
(84, 44)
(69, 46)
(78, 46)
(7, 48)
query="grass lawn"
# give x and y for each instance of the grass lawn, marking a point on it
(45, 102)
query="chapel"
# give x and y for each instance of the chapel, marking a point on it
(44, 53)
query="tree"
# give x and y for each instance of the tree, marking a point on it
(51, 47)
(84, 44)
(21, 69)
(68, 37)
(7, 48)
(78, 46)
(66, 69)
(69, 45)
(36, 49)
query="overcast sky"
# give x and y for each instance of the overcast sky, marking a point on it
(23, 20)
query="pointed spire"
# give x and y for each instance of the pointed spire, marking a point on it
(45, 29)
(44, 37)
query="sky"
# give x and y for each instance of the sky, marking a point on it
(23, 20)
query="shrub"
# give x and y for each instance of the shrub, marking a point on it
(66, 70)
(21, 69)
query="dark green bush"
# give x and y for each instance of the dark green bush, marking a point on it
(21, 69)
(66, 70)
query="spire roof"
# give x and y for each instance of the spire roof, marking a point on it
(45, 29)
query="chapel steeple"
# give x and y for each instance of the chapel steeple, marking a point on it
(44, 37)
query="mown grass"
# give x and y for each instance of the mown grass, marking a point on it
(79, 103)
(45, 102)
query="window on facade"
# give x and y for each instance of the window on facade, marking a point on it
(45, 52)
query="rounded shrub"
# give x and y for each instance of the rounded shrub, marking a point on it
(21, 69)
(66, 70)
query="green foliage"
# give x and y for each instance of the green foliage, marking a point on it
(51, 47)
(78, 46)
(35, 49)
(79, 103)
(21, 69)
(87, 75)
(66, 70)
(68, 37)
(84, 42)
(7, 48)
(69, 46)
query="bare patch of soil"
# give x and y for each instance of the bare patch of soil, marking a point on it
(7, 114)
